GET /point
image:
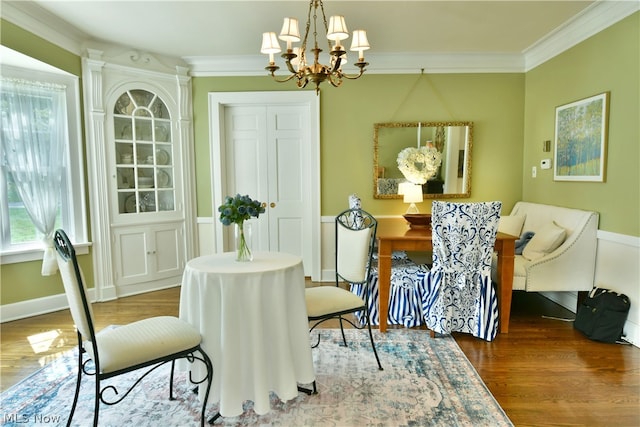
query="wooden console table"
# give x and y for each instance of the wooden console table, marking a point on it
(394, 235)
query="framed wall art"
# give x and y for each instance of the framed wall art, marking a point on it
(581, 139)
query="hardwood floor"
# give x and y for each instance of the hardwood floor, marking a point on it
(542, 373)
(545, 373)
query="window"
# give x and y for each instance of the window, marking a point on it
(52, 105)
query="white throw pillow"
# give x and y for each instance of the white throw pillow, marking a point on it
(511, 224)
(545, 241)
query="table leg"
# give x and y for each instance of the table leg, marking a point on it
(384, 282)
(506, 259)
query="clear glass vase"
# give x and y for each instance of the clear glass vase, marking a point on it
(243, 242)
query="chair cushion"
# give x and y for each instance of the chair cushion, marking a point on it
(519, 271)
(545, 241)
(324, 300)
(511, 224)
(139, 342)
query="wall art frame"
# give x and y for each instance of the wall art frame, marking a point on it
(581, 137)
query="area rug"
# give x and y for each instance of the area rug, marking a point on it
(425, 382)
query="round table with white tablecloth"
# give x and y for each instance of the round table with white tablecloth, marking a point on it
(253, 320)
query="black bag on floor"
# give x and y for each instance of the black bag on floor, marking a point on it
(601, 316)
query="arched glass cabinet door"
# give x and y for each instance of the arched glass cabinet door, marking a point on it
(143, 149)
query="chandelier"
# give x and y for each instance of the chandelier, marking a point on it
(296, 58)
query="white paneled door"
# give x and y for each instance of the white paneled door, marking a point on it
(266, 151)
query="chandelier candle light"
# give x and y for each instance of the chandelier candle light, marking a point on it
(296, 58)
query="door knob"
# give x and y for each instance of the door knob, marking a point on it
(273, 205)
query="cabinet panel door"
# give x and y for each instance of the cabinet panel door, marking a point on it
(145, 177)
(168, 244)
(132, 260)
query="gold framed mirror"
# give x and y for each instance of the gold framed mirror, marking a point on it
(450, 142)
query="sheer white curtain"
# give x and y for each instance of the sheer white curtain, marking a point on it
(34, 140)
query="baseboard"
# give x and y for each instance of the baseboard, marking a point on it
(37, 306)
(141, 288)
(50, 304)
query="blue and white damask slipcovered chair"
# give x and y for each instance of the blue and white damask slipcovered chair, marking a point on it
(148, 343)
(355, 232)
(405, 304)
(457, 293)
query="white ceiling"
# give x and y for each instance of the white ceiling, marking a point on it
(219, 35)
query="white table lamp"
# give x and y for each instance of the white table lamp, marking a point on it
(412, 194)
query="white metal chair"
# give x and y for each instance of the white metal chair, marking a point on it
(355, 237)
(148, 343)
(457, 293)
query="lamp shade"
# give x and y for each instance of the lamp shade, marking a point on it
(359, 42)
(413, 193)
(337, 29)
(402, 187)
(270, 43)
(290, 30)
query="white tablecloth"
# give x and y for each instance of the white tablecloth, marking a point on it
(253, 321)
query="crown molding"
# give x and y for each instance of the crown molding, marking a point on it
(592, 20)
(31, 17)
(452, 63)
(229, 65)
(589, 22)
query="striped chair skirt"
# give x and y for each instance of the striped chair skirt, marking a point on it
(405, 302)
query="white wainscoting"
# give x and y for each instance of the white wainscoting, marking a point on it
(617, 268)
(206, 236)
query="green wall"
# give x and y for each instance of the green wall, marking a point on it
(608, 61)
(512, 115)
(493, 102)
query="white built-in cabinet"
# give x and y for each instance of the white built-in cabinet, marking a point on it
(149, 252)
(139, 151)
